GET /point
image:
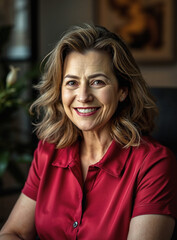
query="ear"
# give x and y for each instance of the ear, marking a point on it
(123, 94)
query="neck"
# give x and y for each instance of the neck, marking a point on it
(93, 148)
(95, 145)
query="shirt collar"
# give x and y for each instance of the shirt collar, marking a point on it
(113, 161)
(66, 156)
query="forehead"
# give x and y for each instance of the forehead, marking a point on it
(91, 59)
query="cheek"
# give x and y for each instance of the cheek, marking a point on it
(109, 98)
(66, 97)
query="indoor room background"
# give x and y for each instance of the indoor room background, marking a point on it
(29, 29)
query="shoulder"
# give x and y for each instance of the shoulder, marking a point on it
(45, 146)
(44, 151)
(149, 147)
(151, 155)
(43, 155)
(156, 159)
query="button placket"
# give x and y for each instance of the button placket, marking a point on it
(91, 178)
(75, 224)
(75, 168)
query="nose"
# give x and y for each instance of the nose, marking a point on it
(84, 94)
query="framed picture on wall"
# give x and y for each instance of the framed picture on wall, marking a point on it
(146, 26)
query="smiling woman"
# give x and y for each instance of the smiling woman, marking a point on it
(135, 115)
(96, 173)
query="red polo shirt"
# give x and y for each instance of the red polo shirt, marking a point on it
(123, 184)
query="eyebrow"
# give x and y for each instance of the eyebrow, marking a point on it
(71, 76)
(97, 75)
(89, 77)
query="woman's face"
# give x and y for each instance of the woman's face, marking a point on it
(90, 92)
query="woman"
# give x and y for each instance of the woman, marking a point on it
(96, 173)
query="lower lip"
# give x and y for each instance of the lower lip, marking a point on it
(86, 114)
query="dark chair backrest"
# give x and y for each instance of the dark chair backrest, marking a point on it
(166, 131)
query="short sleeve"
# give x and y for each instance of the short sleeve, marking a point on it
(156, 191)
(40, 160)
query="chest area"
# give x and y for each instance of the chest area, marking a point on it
(75, 209)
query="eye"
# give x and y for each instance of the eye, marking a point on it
(98, 83)
(71, 83)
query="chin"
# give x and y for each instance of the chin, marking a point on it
(90, 128)
(86, 128)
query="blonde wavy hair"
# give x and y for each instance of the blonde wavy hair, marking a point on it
(133, 118)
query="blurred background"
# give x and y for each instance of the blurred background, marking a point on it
(29, 29)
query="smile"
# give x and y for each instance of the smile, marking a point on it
(86, 111)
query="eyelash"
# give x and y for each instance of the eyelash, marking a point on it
(71, 83)
(98, 82)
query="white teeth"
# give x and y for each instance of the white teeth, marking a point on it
(85, 110)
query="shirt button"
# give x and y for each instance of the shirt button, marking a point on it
(75, 224)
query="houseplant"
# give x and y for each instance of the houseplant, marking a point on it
(12, 150)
